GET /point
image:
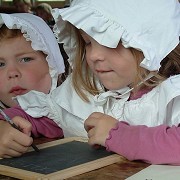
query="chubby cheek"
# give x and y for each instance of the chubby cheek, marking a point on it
(5, 97)
(47, 85)
(90, 65)
(42, 83)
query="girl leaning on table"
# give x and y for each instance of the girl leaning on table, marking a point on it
(129, 62)
(30, 59)
(125, 80)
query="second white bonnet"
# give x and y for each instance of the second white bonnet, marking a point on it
(41, 36)
(152, 27)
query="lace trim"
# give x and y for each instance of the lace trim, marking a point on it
(30, 34)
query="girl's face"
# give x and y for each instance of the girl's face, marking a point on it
(21, 69)
(114, 67)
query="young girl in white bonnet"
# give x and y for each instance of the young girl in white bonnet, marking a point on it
(116, 49)
(30, 59)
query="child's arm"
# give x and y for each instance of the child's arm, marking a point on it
(156, 145)
(40, 126)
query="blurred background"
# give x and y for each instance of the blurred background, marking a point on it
(9, 6)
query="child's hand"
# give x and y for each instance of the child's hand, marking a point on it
(13, 142)
(98, 126)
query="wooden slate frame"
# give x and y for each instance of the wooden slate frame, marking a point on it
(62, 174)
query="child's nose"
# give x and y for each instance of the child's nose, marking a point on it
(97, 54)
(13, 73)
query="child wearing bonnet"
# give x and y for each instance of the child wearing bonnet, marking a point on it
(122, 89)
(30, 59)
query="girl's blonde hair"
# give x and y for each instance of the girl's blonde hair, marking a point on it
(83, 79)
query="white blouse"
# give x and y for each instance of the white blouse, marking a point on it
(69, 111)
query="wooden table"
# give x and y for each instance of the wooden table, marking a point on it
(116, 171)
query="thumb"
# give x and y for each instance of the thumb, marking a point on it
(24, 125)
(91, 121)
(96, 115)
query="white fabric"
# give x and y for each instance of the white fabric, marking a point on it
(41, 36)
(159, 106)
(150, 26)
(108, 21)
(62, 105)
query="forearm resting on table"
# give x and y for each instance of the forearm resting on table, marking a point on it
(155, 145)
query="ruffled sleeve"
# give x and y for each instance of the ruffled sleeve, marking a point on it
(35, 103)
(40, 126)
(62, 105)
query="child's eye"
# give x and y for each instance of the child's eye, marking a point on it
(26, 59)
(2, 64)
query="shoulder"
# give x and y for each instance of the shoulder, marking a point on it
(66, 97)
(170, 88)
(172, 82)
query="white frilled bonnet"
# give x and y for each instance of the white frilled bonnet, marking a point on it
(152, 26)
(41, 36)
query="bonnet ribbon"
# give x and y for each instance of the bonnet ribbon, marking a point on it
(107, 100)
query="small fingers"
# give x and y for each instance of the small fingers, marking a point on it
(24, 125)
(12, 149)
(92, 138)
(11, 153)
(92, 141)
(90, 132)
(96, 115)
(88, 124)
(91, 121)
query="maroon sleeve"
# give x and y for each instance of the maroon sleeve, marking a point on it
(155, 145)
(40, 126)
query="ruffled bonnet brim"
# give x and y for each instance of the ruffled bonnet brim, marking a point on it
(108, 22)
(34, 29)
